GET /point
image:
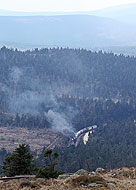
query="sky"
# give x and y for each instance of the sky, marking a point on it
(59, 5)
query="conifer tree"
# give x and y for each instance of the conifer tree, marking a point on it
(19, 162)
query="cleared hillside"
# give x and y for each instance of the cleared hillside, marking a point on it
(39, 139)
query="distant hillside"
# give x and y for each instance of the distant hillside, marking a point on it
(124, 13)
(71, 30)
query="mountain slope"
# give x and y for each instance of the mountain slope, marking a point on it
(73, 30)
(68, 90)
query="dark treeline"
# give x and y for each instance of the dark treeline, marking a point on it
(89, 112)
(25, 121)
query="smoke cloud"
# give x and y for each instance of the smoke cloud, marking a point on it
(15, 74)
(59, 123)
(29, 92)
(38, 98)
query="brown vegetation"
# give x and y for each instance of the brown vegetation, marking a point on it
(124, 179)
(84, 180)
(10, 138)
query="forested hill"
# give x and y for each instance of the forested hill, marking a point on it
(66, 71)
(59, 84)
(70, 89)
(31, 81)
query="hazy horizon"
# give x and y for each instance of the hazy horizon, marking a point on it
(60, 5)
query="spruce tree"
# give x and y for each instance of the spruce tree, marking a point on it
(19, 162)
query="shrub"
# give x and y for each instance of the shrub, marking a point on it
(47, 173)
(87, 179)
(27, 184)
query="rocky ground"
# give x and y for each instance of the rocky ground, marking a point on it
(120, 179)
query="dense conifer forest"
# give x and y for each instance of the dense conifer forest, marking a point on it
(79, 88)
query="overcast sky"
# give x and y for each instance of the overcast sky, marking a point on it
(59, 5)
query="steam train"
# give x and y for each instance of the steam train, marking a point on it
(82, 132)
